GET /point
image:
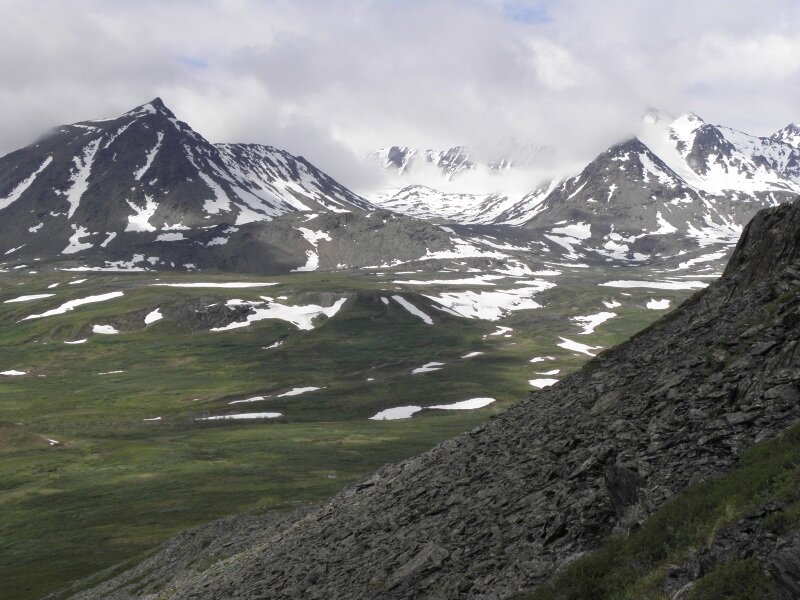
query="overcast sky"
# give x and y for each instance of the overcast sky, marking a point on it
(334, 79)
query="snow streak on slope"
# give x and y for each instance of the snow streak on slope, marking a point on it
(80, 176)
(24, 185)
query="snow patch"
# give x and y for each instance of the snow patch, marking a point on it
(654, 304)
(542, 382)
(393, 414)
(260, 415)
(297, 391)
(301, 317)
(573, 346)
(428, 368)
(153, 316)
(28, 298)
(412, 309)
(656, 285)
(590, 322)
(72, 304)
(104, 329)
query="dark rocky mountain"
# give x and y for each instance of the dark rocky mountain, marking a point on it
(503, 508)
(146, 191)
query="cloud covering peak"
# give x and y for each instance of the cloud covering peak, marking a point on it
(335, 80)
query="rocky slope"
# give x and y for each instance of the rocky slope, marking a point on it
(502, 508)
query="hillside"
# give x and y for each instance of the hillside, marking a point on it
(502, 508)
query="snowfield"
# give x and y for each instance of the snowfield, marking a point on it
(301, 317)
(72, 304)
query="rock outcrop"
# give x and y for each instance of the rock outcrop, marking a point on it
(502, 508)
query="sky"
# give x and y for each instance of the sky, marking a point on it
(333, 80)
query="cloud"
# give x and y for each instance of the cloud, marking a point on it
(334, 80)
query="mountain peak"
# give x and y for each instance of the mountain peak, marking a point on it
(156, 106)
(789, 135)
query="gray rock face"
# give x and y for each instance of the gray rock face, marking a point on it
(503, 507)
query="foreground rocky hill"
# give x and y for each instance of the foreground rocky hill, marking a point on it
(501, 509)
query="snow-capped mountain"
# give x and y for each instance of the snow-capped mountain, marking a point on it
(447, 184)
(683, 183)
(145, 190)
(405, 160)
(82, 185)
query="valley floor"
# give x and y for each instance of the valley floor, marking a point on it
(136, 405)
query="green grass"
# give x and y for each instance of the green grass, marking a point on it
(632, 568)
(117, 486)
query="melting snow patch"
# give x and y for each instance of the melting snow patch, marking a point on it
(654, 304)
(551, 372)
(577, 347)
(111, 372)
(301, 317)
(542, 383)
(313, 238)
(538, 359)
(273, 346)
(246, 400)
(297, 391)
(83, 341)
(152, 419)
(492, 305)
(656, 285)
(479, 280)
(611, 304)
(140, 219)
(590, 322)
(428, 368)
(472, 354)
(465, 404)
(68, 306)
(581, 231)
(502, 330)
(260, 415)
(229, 284)
(413, 309)
(150, 156)
(170, 237)
(80, 176)
(28, 298)
(75, 244)
(153, 316)
(24, 185)
(104, 329)
(13, 373)
(399, 412)
(700, 259)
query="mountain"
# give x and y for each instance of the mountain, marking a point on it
(503, 508)
(145, 191)
(440, 184)
(720, 175)
(459, 160)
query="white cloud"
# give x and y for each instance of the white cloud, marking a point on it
(334, 80)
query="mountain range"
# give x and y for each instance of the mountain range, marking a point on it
(145, 191)
(694, 168)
